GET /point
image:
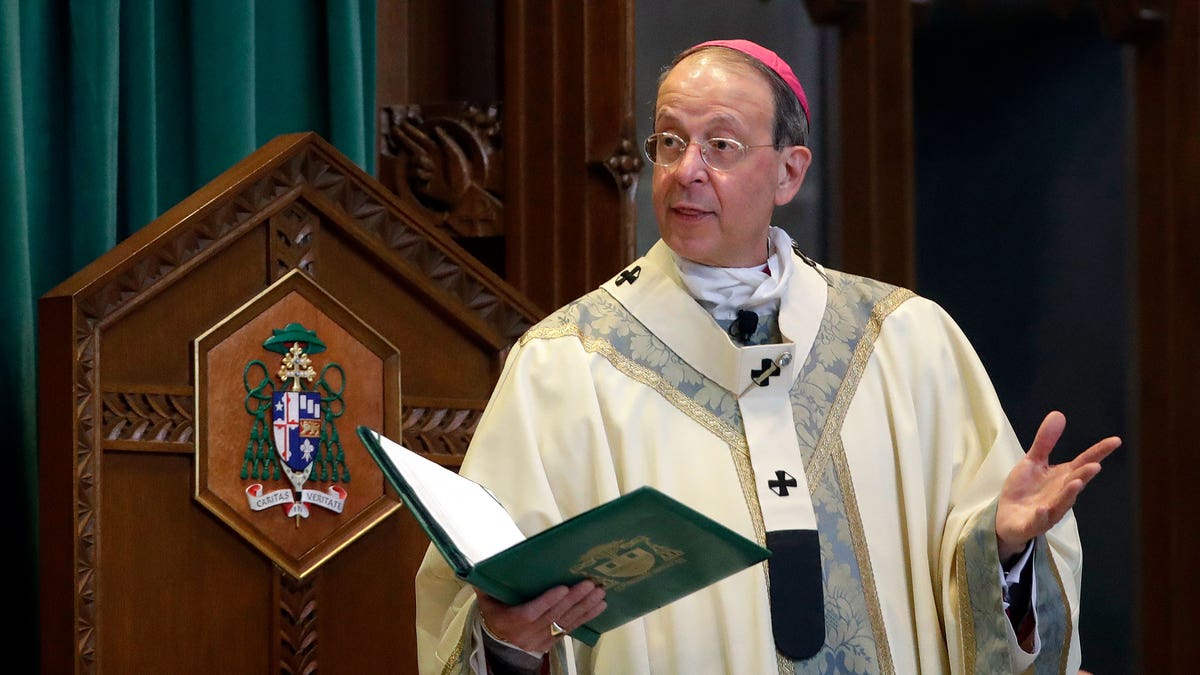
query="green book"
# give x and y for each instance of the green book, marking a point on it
(644, 547)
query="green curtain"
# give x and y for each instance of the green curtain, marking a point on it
(114, 111)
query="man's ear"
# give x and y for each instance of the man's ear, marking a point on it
(796, 160)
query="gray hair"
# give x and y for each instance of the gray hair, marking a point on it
(791, 125)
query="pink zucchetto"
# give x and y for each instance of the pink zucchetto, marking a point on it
(770, 59)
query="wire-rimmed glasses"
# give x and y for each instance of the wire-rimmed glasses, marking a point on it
(720, 154)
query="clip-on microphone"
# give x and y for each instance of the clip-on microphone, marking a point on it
(744, 325)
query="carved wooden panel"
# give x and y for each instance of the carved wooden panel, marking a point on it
(298, 633)
(551, 84)
(161, 421)
(448, 159)
(571, 144)
(136, 575)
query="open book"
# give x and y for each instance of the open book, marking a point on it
(644, 547)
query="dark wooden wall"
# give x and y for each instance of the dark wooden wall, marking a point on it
(1164, 37)
(560, 77)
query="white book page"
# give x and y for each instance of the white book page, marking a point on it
(472, 518)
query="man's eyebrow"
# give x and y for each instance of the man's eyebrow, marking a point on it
(719, 120)
(663, 114)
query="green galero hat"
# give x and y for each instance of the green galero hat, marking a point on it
(282, 339)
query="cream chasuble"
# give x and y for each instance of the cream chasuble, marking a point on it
(902, 450)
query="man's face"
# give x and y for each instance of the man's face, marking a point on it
(711, 217)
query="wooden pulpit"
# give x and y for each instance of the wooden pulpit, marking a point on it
(206, 505)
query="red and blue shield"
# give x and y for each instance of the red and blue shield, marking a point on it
(297, 427)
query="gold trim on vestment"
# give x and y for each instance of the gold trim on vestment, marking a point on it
(455, 656)
(966, 618)
(845, 394)
(1066, 650)
(829, 447)
(858, 540)
(545, 332)
(786, 665)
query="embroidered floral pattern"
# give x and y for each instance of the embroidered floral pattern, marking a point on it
(982, 615)
(850, 636)
(597, 316)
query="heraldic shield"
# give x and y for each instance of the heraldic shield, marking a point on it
(273, 466)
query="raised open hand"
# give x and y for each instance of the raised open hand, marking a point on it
(1037, 494)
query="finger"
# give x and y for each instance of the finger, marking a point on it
(594, 611)
(544, 603)
(1097, 452)
(1083, 473)
(528, 625)
(1047, 437)
(583, 611)
(1062, 503)
(576, 594)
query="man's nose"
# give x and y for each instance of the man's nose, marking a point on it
(691, 167)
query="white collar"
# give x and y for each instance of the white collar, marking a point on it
(722, 291)
(660, 301)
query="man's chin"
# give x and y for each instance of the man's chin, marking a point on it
(690, 248)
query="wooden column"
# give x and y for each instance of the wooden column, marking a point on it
(1165, 36)
(571, 154)
(876, 185)
(561, 74)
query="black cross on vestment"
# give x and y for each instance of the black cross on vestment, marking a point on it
(783, 481)
(629, 275)
(763, 376)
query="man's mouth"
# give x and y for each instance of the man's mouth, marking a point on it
(689, 212)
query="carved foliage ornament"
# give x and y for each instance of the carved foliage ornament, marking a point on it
(450, 160)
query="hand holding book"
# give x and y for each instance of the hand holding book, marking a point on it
(535, 625)
(643, 548)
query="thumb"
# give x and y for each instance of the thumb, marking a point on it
(1047, 437)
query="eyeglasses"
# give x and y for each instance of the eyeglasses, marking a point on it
(720, 154)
